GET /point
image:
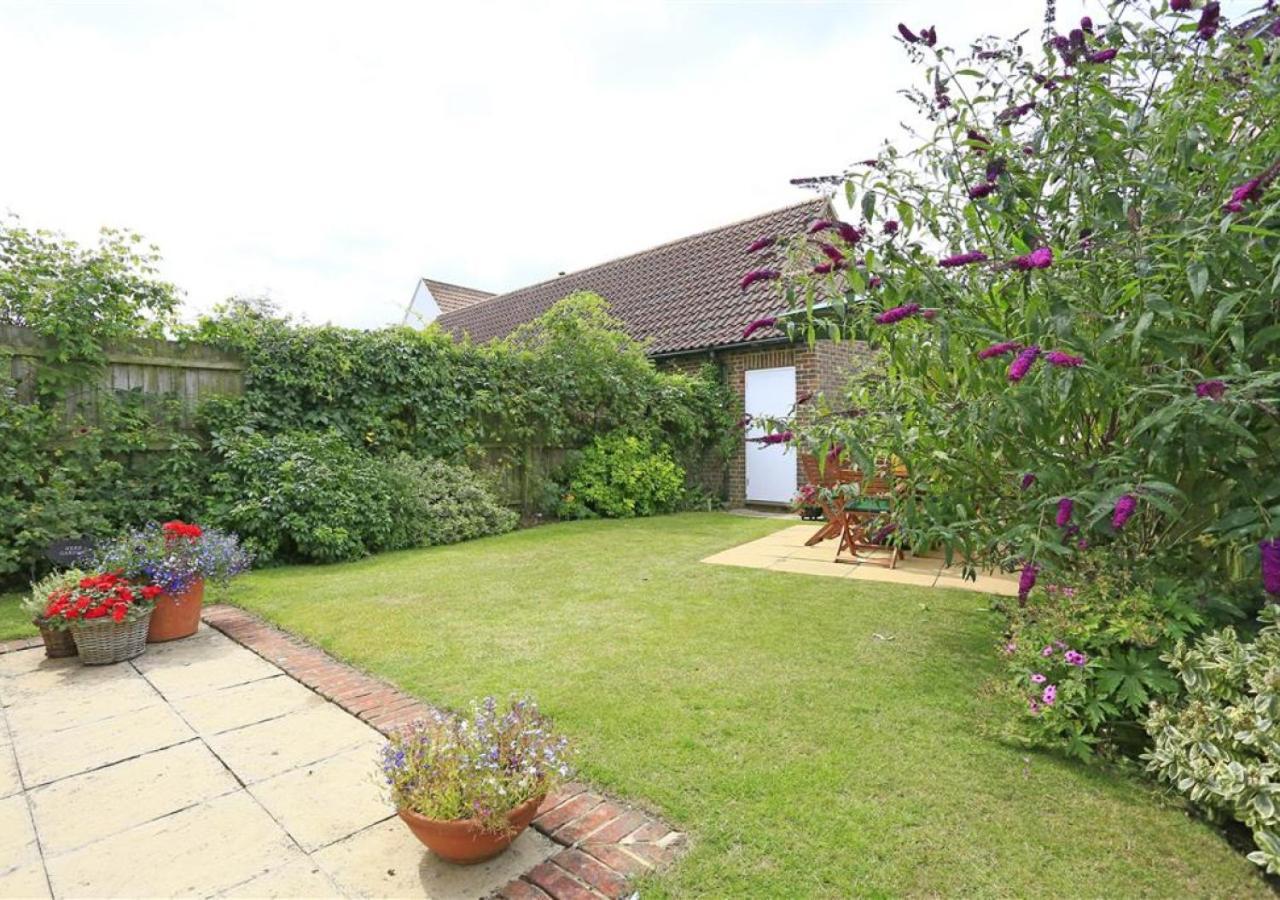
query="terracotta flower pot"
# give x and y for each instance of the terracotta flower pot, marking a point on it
(58, 642)
(177, 615)
(464, 841)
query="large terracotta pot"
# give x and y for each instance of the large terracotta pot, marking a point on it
(177, 615)
(464, 841)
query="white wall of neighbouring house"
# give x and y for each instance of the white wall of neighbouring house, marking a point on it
(423, 309)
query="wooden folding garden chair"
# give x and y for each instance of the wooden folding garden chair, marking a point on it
(851, 518)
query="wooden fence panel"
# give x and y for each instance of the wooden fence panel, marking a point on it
(159, 372)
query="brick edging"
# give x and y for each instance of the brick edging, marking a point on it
(605, 841)
(26, 643)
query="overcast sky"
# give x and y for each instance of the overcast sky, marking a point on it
(328, 154)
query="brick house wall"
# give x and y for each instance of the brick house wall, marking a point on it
(823, 368)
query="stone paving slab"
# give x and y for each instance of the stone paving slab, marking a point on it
(201, 769)
(785, 551)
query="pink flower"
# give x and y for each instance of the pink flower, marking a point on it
(1050, 694)
(759, 275)
(1075, 658)
(1037, 678)
(1047, 651)
(766, 322)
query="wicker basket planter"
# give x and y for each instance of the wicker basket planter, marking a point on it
(58, 642)
(104, 641)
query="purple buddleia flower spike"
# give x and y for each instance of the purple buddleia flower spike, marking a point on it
(962, 259)
(1023, 362)
(1064, 360)
(820, 225)
(1065, 507)
(891, 226)
(762, 243)
(897, 314)
(1212, 389)
(1039, 258)
(1004, 348)
(981, 189)
(1270, 550)
(1207, 27)
(766, 322)
(907, 34)
(759, 275)
(848, 233)
(1102, 56)
(1026, 581)
(1028, 480)
(1124, 510)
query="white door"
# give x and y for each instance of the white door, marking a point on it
(771, 468)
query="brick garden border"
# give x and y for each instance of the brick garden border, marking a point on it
(605, 841)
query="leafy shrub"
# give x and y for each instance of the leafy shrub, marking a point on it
(450, 503)
(1069, 273)
(1096, 639)
(620, 476)
(1219, 744)
(302, 496)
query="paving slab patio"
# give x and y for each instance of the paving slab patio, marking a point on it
(201, 769)
(785, 551)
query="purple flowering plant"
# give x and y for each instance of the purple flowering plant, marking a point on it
(174, 562)
(1078, 307)
(479, 766)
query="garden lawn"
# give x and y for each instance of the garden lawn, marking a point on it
(815, 736)
(14, 623)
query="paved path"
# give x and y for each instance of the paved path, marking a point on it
(200, 769)
(785, 551)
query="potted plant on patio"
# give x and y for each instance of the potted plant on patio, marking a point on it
(467, 786)
(106, 614)
(53, 629)
(179, 557)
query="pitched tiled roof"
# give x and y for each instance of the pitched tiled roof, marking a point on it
(453, 297)
(680, 296)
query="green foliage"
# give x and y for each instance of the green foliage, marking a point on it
(36, 602)
(556, 382)
(620, 476)
(448, 503)
(1219, 743)
(1122, 171)
(1121, 621)
(79, 297)
(307, 496)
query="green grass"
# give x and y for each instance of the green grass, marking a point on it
(14, 623)
(815, 736)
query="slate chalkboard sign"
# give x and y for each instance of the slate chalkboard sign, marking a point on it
(69, 551)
